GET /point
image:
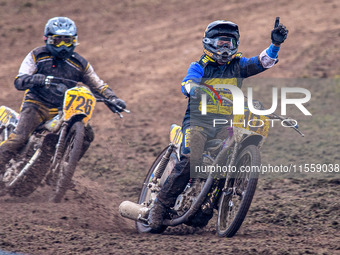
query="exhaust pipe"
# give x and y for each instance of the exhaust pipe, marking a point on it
(134, 211)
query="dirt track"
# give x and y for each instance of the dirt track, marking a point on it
(142, 49)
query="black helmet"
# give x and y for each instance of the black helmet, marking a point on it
(221, 39)
(61, 36)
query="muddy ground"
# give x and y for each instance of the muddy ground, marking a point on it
(143, 49)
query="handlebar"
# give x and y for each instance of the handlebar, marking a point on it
(51, 80)
(295, 127)
(112, 106)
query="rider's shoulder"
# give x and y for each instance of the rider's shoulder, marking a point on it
(41, 53)
(205, 60)
(78, 60)
(238, 55)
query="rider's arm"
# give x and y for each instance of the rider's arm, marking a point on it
(27, 69)
(194, 75)
(257, 64)
(92, 80)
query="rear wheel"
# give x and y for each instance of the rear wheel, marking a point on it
(237, 197)
(74, 145)
(145, 196)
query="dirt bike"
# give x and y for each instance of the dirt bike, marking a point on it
(55, 147)
(230, 193)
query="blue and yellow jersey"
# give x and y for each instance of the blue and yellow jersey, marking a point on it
(207, 71)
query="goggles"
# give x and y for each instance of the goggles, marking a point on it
(222, 42)
(225, 42)
(60, 40)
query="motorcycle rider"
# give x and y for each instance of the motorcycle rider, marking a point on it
(56, 58)
(220, 64)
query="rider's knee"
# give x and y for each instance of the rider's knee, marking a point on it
(17, 140)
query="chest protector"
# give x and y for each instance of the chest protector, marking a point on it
(215, 74)
(72, 68)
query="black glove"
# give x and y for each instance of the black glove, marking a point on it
(120, 103)
(279, 33)
(38, 80)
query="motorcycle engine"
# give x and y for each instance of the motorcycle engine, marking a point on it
(193, 188)
(188, 196)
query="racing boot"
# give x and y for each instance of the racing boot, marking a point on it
(156, 215)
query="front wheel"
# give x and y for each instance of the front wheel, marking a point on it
(238, 194)
(73, 149)
(146, 197)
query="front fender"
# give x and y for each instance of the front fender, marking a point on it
(256, 140)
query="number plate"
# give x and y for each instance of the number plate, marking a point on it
(78, 100)
(176, 135)
(258, 124)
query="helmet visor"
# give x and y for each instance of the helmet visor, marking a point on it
(60, 40)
